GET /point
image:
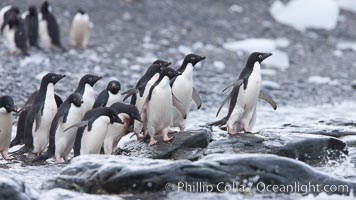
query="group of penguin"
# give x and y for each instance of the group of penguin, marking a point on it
(160, 101)
(40, 30)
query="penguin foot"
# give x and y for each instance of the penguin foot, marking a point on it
(230, 132)
(152, 142)
(166, 138)
(172, 131)
(7, 157)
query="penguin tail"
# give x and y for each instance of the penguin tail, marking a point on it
(21, 151)
(220, 122)
(42, 157)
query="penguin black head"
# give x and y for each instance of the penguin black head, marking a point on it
(113, 116)
(52, 78)
(89, 79)
(82, 12)
(114, 87)
(134, 113)
(76, 99)
(129, 109)
(8, 103)
(169, 72)
(32, 10)
(258, 57)
(193, 59)
(46, 8)
(162, 63)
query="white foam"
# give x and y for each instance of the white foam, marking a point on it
(303, 14)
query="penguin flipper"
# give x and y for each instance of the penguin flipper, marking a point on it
(220, 122)
(38, 119)
(196, 98)
(29, 102)
(130, 92)
(223, 103)
(264, 96)
(179, 106)
(78, 125)
(234, 84)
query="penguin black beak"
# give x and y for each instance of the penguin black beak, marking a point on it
(138, 118)
(14, 109)
(267, 55)
(202, 58)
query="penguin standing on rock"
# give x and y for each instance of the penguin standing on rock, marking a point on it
(183, 89)
(243, 97)
(81, 29)
(140, 92)
(159, 104)
(48, 28)
(92, 130)
(7, 107)
(85, 88)
(41, 114)
(116, 131)
(60, 143)
(31, 22)
(109, 96)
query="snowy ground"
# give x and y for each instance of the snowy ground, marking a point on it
(310, 74)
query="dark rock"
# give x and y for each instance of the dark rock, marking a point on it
(312, 150)
(60, 194)
(11, 187)
(121, 174)
(333, 133)
(186, 145)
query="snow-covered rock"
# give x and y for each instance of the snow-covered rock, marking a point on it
(303, 14)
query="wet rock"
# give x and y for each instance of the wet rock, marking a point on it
(11, 187)
(333, 133)
(59, 194)
(122, 174)
(309, 149)
(186, 145)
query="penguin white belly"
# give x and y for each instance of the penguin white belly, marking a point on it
(243, 113)
(88, 98)
(183, 90)
(46, 41)
(113, 98)
(160, 107)
(92, 141)
(65, 140)
(41, 136)
(9, 35)
(140, 101)
(80, 31)
(5, 131)
(114, 133)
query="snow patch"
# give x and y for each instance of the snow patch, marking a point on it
(322, 80)
(344, 45)
(279, 60)
(235, 9)
(256, 44)
(33, 59)
(303, 14)
(219, 65)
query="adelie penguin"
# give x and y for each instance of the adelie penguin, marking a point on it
(60, 142)
(183, 89)
(7, 107)
(159, 106)
(109, 96)
(80, 30)
(140, 92)
(114, 133)
(40, 116)
(48, 28)
(85, 88)
(92, 130)
(31, 21)
(243, 97)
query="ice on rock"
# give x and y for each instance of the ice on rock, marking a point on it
(279, 60)
(349, 5)
(322, 80)
(303, 14)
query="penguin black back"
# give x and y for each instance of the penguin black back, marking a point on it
(31, 21)
(52, 25)
(129, 109)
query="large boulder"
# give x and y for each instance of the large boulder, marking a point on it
(186, 145)
(122, 174)
(11, 187)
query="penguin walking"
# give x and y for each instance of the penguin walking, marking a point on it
(48, 28)
(41, 114)
(85, 88)
(109, 96)
(183, 89)
(20, 132)
(7, 107)
(7, 13)
(159, 104)
(115, 132)
(92, 130)
(140, 92)
(2, 13)
(243, 97)
(80, 30)
(31, 21)
(60, 143)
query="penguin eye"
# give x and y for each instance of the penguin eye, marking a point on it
(74, 99)
(260, 56)
(7, 106)
(90, 78)
(192, 58)
(53, 77)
